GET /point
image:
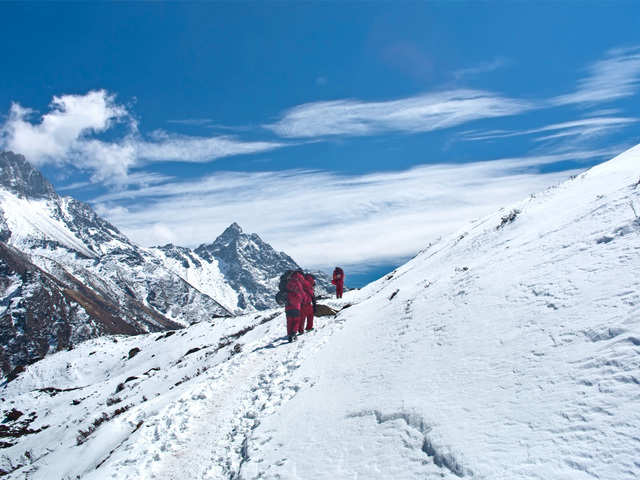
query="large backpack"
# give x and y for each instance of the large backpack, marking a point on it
(281, 296)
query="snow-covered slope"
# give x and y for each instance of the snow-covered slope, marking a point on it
(510, 350)
(203, 274)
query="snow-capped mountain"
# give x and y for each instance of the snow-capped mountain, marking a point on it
(239, 270)
(68, 240)
(509, 350)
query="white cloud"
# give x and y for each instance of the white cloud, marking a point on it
(71, 119)
(323, 218)
(414, 114)
(614, 77)
(69, 135)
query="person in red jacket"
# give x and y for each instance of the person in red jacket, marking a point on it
(293, 308)
(338, 281)
(309, 303)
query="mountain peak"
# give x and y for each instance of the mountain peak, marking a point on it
(231, 235)
(234, 228)
(18, 176)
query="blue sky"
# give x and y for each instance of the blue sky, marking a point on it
(342, 133)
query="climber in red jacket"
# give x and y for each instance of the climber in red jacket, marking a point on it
(338, 281)
(309, 304)
(293, 309)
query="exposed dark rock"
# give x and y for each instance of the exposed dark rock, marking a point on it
(19, 177)
(508, 218)
(53, 391)
(12, 415)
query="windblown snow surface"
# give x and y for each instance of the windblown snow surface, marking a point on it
(510, 350)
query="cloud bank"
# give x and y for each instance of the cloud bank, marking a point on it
(322, 218)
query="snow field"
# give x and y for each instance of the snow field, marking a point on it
(178, 403)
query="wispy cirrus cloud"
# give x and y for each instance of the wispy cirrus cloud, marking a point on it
(615, 76)
(191, 121)
(322, 217)
(72, 133)
(182, 148)
(585, 128)
(483, 67)
(135, 179)
(611, 78)
(420, 113)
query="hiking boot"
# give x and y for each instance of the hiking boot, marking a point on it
(310, 329)
(291, 338)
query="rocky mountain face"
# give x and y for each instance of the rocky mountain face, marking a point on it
(41, 313)
(239, 269)
(251, 266)
(68, 275)
(65, 247)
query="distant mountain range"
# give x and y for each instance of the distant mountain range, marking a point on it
(239, 270)
(67, 275)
